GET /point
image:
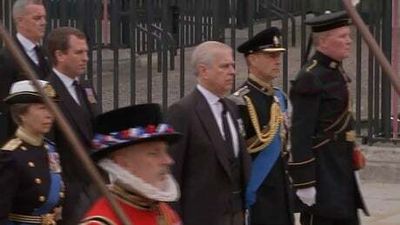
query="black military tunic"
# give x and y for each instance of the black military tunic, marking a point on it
(322, 138)
(26, 164)
(273, 203)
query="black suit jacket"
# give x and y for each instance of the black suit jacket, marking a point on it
(81, 121)
(202, 162)
(11, 72)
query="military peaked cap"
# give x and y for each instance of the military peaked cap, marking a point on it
(24, 92)
(328, 21)
(268, 40)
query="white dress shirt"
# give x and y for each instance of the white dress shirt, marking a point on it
(216, 108)
(29, 47)
(68, 82)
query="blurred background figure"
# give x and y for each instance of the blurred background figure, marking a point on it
(30, 23)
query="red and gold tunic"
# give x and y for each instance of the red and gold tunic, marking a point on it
(139, 210)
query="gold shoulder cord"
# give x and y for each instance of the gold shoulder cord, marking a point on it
(274, 122)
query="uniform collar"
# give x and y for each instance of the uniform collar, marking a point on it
(326, 60)
(263, 86)
(29, 138)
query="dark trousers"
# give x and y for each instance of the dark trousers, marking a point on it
(232, 219)
(310, 219)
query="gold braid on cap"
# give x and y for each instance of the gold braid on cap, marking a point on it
(264, 139)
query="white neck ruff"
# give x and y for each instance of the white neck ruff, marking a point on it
(132, 183)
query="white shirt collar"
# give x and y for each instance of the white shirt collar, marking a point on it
(25, 42)
(211, 98)
(64, 78)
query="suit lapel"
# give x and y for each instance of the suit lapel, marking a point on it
(70, 108)
(212, 130)
(235, 118)
(244, 156)
(41, 74)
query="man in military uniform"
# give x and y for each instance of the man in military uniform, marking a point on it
(263, 109)
(322, 134)
(30, 172)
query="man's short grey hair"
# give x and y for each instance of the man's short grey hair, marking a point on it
(316, 37)
(20, 5)
(206, 52)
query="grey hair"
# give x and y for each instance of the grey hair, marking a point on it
(20, 5)
(16, 110)
(206, 52)
(316, 37)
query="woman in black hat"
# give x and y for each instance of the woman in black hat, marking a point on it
(30, 173)
(131, 146)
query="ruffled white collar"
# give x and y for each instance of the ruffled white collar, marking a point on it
(132, 183)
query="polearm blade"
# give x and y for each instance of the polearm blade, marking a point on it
(77, 147)
(373, 46)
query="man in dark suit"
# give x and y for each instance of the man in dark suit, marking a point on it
(322, 135)
(263, 108)
(30, 23)
(68, 51)
(211, 162)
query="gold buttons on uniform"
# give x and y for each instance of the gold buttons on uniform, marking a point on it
(31, 164)
(38, 181)
(42, 198)
(62, 195)
(24, 148)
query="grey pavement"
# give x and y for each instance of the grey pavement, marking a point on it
(381, 184)
(383, 201)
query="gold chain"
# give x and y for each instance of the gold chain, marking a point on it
(274, 122)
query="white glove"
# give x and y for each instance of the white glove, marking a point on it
(307, 195)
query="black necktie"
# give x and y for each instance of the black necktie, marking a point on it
(41, 60)
(79, 93)
(225, 125)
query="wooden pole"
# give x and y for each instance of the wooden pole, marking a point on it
(369, 39)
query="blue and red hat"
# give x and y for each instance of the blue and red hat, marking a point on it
(128, 126)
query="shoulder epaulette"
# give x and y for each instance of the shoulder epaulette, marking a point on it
(312, 65)
(12, 144)
(237, 96)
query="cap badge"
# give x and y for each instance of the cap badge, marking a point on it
(276, 40)
(49, 90)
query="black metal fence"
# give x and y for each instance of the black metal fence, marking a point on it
(140, 47)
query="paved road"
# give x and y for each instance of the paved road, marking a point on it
(383, 201)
